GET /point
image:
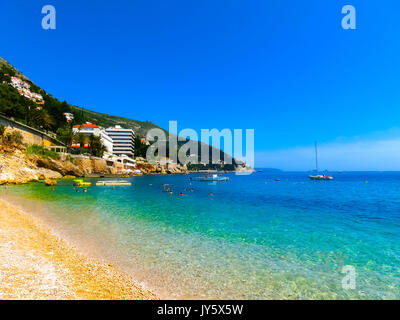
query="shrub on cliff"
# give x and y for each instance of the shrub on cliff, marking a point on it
(14, 137)
(42, 152)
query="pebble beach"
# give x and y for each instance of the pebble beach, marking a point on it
(36, 264)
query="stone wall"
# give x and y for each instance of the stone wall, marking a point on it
(30, 135)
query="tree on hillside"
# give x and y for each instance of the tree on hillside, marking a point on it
(79, 116)
(6, 72)
(65, 135)
(12, 104)
(41, 119)
(140, 148)
(96, 147)
(81, 139)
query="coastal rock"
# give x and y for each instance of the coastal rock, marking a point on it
(145, 167)
(18, 168)
(92, 166)
(62, 167)
(15, 169)
(44, 174)
(71, 170)
(158, 168)
(173, 168)
(50, 182)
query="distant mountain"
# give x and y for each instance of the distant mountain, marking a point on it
(270, 170)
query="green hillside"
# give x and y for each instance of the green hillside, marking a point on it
(106, 120)
(49, 116)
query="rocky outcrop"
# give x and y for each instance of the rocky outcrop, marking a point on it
(17, 168)
(173, 168)
(44, 174)
(50, 182)
(62, 167)
(145, 167)
(170, 168)
(92, 166)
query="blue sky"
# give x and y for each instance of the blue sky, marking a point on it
(284, 68)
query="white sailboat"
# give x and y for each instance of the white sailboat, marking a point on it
(319, 176)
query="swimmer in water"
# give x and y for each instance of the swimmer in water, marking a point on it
(181, 194)
(85, 190)
(211, 194)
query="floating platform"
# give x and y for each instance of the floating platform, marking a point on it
(81, 183)
(113, 183)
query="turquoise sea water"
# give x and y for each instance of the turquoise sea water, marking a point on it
(251, 239)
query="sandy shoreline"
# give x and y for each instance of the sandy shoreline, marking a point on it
(36, 264)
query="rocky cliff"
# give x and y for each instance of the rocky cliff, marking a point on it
(16, 167)
(170, 168)
(92, 166)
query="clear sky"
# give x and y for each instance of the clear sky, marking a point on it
(284, 68)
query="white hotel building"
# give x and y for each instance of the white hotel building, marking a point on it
(119, 142)
(123, 141)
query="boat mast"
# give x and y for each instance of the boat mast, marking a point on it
(316, 156)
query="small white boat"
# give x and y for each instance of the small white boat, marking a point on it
(321, 177)
(113, 183)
